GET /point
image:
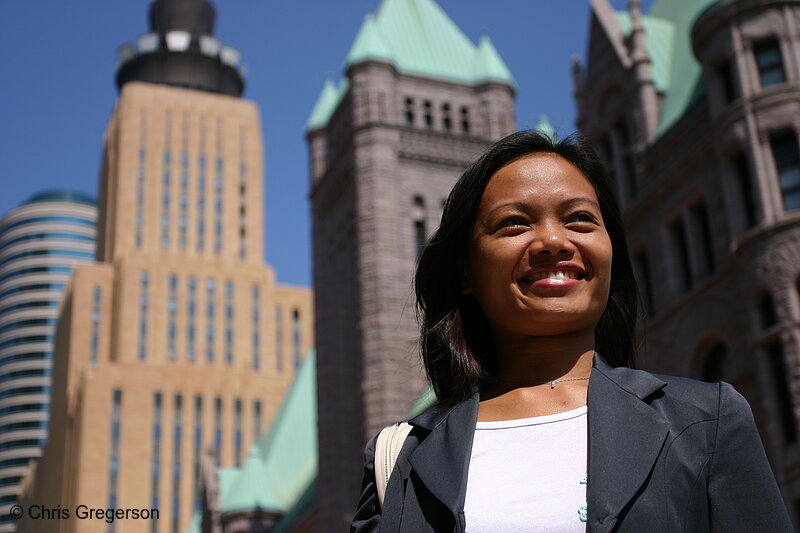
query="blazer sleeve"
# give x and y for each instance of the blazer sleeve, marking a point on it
(367, 517)
(743, 493)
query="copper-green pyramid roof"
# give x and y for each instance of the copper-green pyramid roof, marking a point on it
(416, 37)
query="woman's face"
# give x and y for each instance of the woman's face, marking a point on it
(539, 261)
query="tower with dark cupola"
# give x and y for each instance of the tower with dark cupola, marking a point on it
(177, 339)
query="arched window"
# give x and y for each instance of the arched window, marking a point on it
(714, 363)
(428, 114)
(447, 122)
(766, 310)
(409, 111)
(465, 119)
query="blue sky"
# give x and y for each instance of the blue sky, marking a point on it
(57, 60)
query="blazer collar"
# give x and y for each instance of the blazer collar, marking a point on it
(442, 458)
(625, 438)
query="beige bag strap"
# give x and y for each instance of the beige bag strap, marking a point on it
(387, 448)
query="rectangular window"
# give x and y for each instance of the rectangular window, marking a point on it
(278, 337)
(95, 342)
(296, 356)
(680, 247)
(113, 459)
(218, 208)
(155, 474)
(256, 419)
(641, 265)
(139, 220)
(229, 322)
(237, 433)
(165, 198)
(787, 163)
(144, 284)
(198, 447)
(218, 429)
(256, 340)
(242, 208)
(783, 395)
(176, 464)
(702, 225)
(183, 220)
(409, 114)
(746, 192)
(201, 202)
(191, 320)
(172, 314)
(770, 62)
(211, 286)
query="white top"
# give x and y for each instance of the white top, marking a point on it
(528, 475)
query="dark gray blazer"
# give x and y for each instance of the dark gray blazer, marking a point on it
(666, 454)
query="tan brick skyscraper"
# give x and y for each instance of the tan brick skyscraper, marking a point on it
(178, 339)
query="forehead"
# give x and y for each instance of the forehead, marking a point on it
(540, 177)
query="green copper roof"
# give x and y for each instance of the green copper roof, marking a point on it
(417, 38)
(283, 462)
(326, 104)
(488, 65)
(368, 44)
(289, 449)
(685, 73)
(249, 490)
(660, 39)
(544, 127)
(426, 399)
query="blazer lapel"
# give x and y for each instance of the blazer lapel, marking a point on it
(442, 458)
(625, 437)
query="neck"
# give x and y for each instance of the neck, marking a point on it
(531, 361)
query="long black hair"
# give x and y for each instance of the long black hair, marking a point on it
(457, 345)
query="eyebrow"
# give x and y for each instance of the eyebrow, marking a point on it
(566, 203)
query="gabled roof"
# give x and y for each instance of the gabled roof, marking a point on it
(416, 37)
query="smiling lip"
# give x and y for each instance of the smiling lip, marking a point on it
(559, 275)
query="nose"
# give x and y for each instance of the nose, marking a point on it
(551, 239)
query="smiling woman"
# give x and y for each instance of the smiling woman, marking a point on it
(527, 305)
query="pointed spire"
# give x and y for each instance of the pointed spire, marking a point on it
(326, 103)
(643, 73)
(368, 44)
(488, 65)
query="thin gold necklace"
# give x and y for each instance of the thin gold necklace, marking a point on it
(553, 383)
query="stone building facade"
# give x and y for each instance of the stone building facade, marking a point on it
(696, 109)
(177, 339)
(386, 146)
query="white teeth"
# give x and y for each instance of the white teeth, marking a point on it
(555, 274)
